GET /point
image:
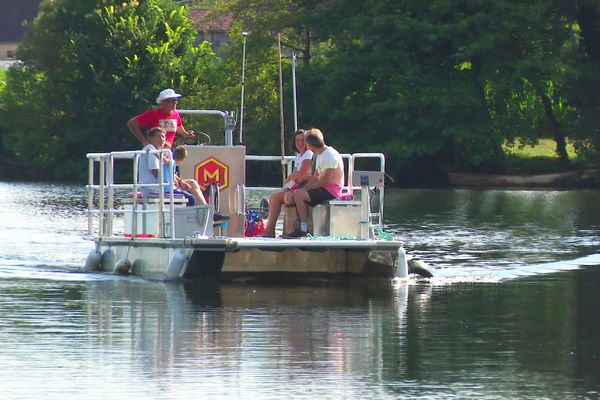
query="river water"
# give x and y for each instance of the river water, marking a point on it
(512, 312)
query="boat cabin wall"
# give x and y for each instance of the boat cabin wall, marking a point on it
(224, 166)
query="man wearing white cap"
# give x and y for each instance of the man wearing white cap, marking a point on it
(165, 117)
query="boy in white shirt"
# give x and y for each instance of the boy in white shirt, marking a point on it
(149, 164)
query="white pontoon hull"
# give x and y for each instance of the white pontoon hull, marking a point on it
(167, 259)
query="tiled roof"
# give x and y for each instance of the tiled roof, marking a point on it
(12, 15)
(203, 21)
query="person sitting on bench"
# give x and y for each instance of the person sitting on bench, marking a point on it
(302, 172)
(188, 187)
(149, 164)
(325, 184)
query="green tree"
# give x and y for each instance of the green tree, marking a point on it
(446, 82)
(582, 81)
(87, 67)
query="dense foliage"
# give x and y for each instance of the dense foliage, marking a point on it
(437, 85)
(87, 67)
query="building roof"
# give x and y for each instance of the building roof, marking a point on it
(12, 15)
(204, 21)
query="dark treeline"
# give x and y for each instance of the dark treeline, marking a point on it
(435, 85)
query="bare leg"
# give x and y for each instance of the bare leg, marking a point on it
(302, 199)
(275, 202)
(195, 190)
(288, 198)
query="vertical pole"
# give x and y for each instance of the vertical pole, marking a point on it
(134, 204)
(109, 175)
(294, 91)
(90, 194)
(365, 219)
(101, 179)
(161, 196)
(381, 191)
(171, 195)
(244, 34)
(281, 124)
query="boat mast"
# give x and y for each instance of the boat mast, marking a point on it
(281, 119)
(294, 91)
(244, 34)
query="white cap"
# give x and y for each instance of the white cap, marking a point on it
(167, 94)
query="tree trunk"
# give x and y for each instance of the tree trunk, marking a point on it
(553, 124)
(555, 128)
(500, 164)
(499, 156)
(307, 43)
(495, 144)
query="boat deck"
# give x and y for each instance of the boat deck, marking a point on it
(232, 244)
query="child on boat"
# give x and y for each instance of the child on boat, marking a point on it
(187, 187)
(149, 164)
(149, 167)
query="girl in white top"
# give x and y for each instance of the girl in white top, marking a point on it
(302, 162)
(302, 172)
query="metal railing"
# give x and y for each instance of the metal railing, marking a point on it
(105, 189)
(106, 186)
(376, 216)
(381, 157)
(228, 121)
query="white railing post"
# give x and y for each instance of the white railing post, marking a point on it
(171, 196)
(161, 199)
(109, 176)
(134, 203)
(101, 197)
(90, 195)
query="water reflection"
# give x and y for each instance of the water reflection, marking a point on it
(198, 317)
(529, 338)
(272, 335)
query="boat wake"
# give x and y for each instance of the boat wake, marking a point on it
(29, 269)
(496, 274)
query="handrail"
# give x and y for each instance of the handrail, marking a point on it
(381, 157)
(106, 186)
(349, 187)
(228, 121)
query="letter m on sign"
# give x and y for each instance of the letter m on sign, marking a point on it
(210, 171)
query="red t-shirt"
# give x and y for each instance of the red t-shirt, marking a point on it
(157, 118)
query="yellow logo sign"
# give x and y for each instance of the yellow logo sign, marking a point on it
(210, 171)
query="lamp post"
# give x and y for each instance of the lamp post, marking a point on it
(244, 34)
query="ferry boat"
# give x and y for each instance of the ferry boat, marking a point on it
(163, 238)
